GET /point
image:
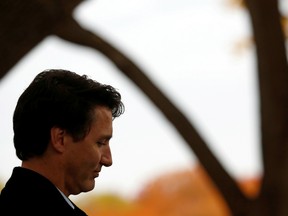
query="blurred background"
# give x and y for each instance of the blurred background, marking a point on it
(198, 52)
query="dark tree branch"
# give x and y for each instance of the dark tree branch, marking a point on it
(23, 24)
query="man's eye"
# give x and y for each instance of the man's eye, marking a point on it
(100, 143)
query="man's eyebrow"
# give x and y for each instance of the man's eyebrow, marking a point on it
(106, 137)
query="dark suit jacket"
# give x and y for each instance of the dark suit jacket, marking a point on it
(29, 193)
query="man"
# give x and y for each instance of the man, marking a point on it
(62, 126)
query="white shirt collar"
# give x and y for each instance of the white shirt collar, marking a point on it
(66, 198)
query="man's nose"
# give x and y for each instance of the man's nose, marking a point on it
(106, 158)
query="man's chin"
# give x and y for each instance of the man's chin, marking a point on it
(90, 186)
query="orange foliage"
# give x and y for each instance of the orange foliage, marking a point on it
(112, 205)
(184, 193)
(250, 187)
(190, 192)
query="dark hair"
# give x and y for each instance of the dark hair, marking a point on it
(59, 98)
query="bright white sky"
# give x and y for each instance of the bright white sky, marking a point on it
(188, 48)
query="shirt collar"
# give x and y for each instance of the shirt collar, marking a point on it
(66, 198)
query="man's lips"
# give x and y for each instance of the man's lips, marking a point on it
(96, 174)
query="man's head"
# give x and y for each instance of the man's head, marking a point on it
(63, 99)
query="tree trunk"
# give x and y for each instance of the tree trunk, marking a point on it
(273, 89)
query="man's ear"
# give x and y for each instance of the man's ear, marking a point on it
(57, 138)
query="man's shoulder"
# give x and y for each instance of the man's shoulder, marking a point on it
(27, 183)
(28, 192)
